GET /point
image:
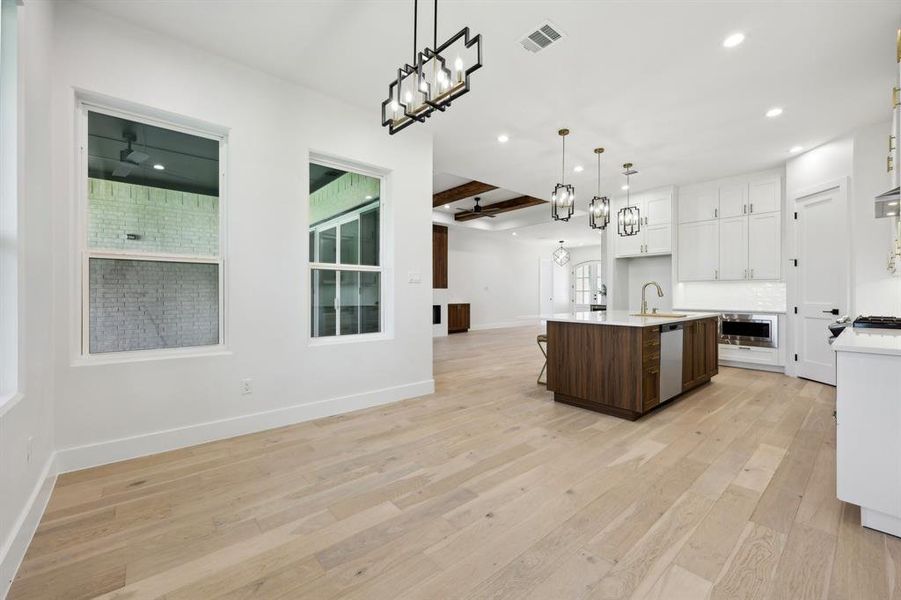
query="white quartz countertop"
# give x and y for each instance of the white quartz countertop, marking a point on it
(623, 318)
(869, 341)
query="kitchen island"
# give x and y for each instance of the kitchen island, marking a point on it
(626, 365)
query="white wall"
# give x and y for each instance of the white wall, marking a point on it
(498, 275)
(860, 156)
(26, 423)
(875, 290)
(643, 270)
(107, 412)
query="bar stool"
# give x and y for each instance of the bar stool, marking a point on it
(542, 339)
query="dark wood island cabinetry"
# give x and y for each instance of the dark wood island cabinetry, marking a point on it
(612, 363)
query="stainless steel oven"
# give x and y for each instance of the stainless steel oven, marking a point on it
(748, 329)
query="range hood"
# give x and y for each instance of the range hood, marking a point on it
(887, 204)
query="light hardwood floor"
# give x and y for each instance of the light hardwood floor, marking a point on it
(487, 489)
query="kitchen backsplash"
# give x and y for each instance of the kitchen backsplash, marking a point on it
(757, 296)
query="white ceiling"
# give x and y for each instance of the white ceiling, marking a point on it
(650, 81)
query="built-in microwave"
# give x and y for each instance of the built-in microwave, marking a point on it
(743, 329)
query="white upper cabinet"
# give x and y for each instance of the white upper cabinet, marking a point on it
(659, 208)
(764, 243)
(699, 251)
(698, 203)
(765, 195)
(733, 200)
(655, 235)
(630, 245)
(733, 249)
(731, 229)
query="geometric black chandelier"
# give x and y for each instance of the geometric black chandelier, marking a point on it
(629, 218)
(599, 207)
(437, 76)
(564, 196)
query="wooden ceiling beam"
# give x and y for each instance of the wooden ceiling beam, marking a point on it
(502, 207)
(467, 190)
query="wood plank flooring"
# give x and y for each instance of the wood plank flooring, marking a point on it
(486, 489)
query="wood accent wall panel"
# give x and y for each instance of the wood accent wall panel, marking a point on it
(439, 257)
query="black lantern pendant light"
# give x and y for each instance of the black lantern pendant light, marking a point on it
(599, 207)
(628, 220)
(564, 196)
(437, 76)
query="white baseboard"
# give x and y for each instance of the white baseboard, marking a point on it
(92, 455)
(23, 531)
(505, 324)
(753, 366)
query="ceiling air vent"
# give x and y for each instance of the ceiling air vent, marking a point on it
(541, 38)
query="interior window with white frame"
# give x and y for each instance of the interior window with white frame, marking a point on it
(152, 265)
(345, 237)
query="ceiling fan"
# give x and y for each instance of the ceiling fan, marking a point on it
(129, 159)
(480, 211)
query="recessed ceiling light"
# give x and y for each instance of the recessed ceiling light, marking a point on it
(447, 206)
(795, 149)
(774, 112)
(578, 168)
(159, 167)
(625, 187)
(733, 40)
(514, 233)
(503, 138)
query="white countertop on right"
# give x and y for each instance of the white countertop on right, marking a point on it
(869, 341)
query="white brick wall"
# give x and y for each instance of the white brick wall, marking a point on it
(166, 221)
(139, 305)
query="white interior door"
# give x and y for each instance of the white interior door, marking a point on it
(821, 238)
(546, 287)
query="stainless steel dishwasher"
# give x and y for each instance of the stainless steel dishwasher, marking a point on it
(670, 360)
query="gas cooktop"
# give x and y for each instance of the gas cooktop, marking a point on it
(878, 322)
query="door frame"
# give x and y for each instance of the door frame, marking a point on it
(792, 344)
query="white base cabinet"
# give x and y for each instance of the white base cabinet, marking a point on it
(868, 436)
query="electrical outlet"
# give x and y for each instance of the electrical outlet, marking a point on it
(246, 387)
(29, 445)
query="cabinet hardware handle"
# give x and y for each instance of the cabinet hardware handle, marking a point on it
(891, 143)
(752, 273)
(889, 164)
(896, 97)
(744, 209)
(716, 273)
(746, 273)
(716, 212)
(751, 207)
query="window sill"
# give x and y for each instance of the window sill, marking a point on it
(336, 340)
(112, 358)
